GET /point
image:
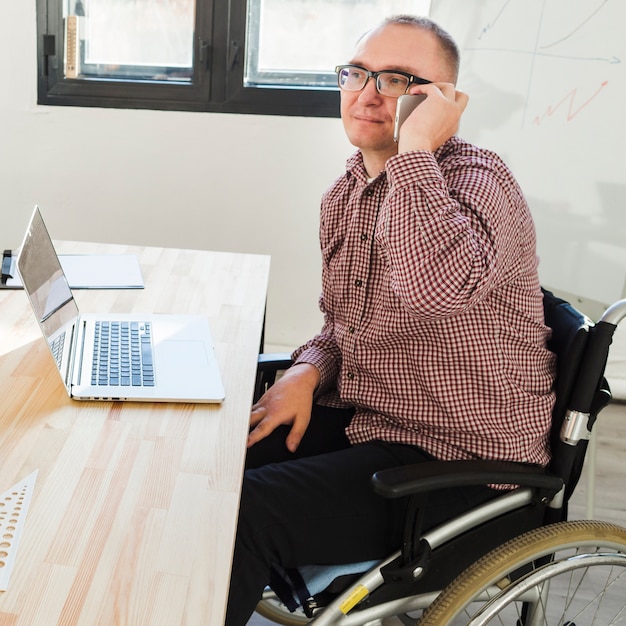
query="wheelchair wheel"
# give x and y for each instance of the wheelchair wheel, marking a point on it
(570, 573)
(271, 608)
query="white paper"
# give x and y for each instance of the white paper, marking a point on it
(95, 271)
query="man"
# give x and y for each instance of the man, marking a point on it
(433, 344)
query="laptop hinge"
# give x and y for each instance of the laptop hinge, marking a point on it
(77, 351)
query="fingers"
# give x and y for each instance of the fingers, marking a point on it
(262, 430)
(264, 425)
(288, 402)
(295, 435)
(461, 99)
(257, 413)
(447, 90)
(263, 422)
(435, 120)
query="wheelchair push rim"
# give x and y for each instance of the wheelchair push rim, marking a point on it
(557, 592)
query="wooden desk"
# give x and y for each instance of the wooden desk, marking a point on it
(133, 514)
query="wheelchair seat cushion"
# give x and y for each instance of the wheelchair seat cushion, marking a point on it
(294, 587)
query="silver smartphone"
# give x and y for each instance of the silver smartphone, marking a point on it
(406, 105)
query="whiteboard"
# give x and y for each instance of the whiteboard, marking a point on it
(547, 91)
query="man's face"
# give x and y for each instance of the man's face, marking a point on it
(368, 116)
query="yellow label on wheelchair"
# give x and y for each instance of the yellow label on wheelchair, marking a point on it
(353, 599)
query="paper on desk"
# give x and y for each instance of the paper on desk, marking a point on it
(95, 271)
(14, 505)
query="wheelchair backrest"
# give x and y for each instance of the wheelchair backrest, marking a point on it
(571, 331)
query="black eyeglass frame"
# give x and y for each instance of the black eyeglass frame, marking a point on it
(413, 80)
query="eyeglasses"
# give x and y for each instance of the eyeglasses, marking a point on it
(392, 83)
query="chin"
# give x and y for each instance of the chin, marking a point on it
(374, 145)
(368, 140)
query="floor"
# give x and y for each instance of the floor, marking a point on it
(609, 503)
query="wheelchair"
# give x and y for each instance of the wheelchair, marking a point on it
(514, 560)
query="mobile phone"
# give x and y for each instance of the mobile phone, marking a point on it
(406, 105)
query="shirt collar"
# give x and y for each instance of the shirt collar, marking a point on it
(356, 168)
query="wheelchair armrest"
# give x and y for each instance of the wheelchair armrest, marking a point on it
(433, 475)
(274, 361)
(268, 366)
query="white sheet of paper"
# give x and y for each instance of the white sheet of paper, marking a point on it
(96, 271)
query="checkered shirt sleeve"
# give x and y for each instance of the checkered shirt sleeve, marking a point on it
(433, 312)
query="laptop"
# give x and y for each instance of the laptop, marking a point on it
(151, 358)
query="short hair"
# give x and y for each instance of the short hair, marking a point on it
(447, 43)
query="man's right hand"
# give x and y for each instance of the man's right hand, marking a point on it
(288, 402)
(434, 121)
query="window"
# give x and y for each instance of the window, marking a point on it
(235, 56)
(105, 42)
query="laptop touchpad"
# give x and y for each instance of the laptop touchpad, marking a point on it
(176, 352)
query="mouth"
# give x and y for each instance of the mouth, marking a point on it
(369, 120)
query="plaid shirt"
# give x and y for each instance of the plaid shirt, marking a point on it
(433, 317)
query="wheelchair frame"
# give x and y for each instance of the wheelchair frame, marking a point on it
(526, 529)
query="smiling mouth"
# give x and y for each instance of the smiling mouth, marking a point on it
(367, 119)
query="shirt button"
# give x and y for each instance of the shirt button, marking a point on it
(364, 237)
(369, 192)
(358, 283)
(351, 330)
(350, 376)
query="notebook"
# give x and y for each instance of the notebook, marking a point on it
(151, 357)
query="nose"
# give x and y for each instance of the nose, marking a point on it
(369, 93)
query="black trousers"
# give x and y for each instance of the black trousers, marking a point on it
(316, 506)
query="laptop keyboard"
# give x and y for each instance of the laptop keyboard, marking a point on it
(56, 345)
(123, 354)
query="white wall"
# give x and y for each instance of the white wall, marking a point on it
(195, 180)
(547, 86)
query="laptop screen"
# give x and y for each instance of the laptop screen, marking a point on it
(44, 280)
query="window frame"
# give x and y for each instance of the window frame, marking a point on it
(217, 83)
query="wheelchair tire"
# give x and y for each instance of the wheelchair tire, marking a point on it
(498, 575)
